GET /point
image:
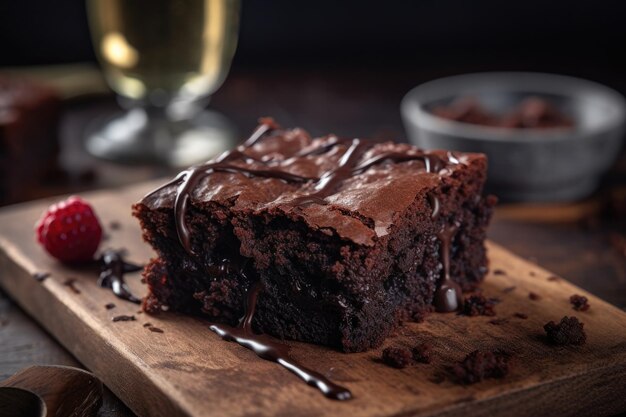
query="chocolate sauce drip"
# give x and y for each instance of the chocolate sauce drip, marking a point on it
(112, 274)
(435, 204)
(448, 295)
(331, 180)
(432, 163)
(191, 177)
(270, 349)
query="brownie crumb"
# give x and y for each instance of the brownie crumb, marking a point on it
(41, 276)
(115, 225)
(534, 296)
(147, 324)
(422, 353)
(155, 329)
(499, 272)
(478, 305)
(532, 273)
(521, 316)
(71, 284)
(437, 378)
(569, 331)
(109, 306)
(579, 302)
(123, 317)
(397, 357)
(509, 289)
(480, 365)
(499, 321)
(553, 278)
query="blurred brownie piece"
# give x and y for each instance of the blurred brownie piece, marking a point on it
(530, 113)
(29, 145)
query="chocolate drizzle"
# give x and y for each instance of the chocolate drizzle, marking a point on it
(448, 293)
(327, 184)
(112, 274)
(269, 349)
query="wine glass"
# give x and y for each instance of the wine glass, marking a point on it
(164, 58)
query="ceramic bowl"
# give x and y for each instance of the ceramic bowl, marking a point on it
(525, 164)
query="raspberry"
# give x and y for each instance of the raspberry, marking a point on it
(70, 231)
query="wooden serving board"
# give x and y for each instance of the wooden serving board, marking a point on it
(188, 371)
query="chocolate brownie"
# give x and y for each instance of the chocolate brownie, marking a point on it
(29, 145)
(347, 237)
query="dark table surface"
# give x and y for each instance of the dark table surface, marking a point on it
(584, 242)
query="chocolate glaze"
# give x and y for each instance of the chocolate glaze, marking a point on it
(112, 274)
(270, 349)
(349, 165)
(448, 294)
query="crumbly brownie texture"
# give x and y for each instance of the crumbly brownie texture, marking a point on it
(422, 353)
(480, 365)
(478, 305)
(579, 302)
(397, 357)
(339, 272)
(569, 331)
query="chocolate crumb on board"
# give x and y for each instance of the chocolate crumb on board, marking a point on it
(499, 321)
(397, 357)
(579, 302)
(553, 278)
(41, 276)
(109, 306)
(437, 378)
(115, 225)
(509, 289)
(521, 316)
(534, 296)
(155, 329)
(499, 272)
(422, 353)
(123, 317)
(480, 365)
(478, 305)
(71, 284)
(532, 273)
(569, 331)
(147, 324)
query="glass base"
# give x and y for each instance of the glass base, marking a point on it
(144, 136)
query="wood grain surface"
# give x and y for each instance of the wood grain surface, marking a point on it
(189, 371)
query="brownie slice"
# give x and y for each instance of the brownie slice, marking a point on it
(29, 145)
(340, 268)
